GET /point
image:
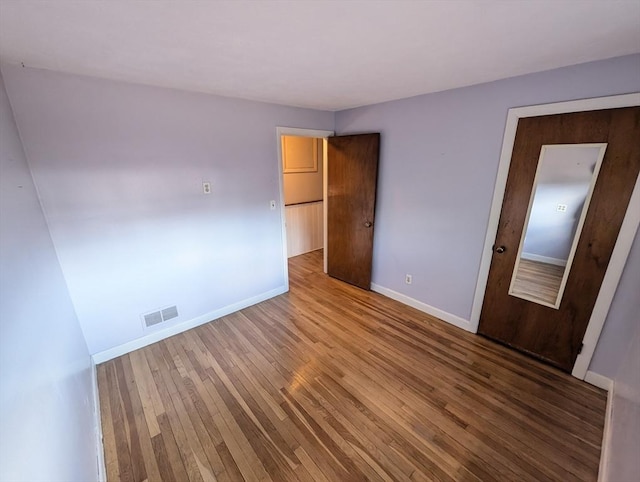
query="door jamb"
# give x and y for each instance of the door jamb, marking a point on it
(294, 131)
(623, 243)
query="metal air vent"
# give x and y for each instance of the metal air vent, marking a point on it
(156, 317)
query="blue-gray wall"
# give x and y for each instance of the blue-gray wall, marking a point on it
(47, 430)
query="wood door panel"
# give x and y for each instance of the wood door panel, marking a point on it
(351, 193)
(550, 334)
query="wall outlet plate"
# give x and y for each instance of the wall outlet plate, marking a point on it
(206, 187)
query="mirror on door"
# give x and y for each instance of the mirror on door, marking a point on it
(565, 178)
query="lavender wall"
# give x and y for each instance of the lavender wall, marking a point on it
(622, 320)
(623, 463)
(438, 164)
(119, 168)
(46, 395)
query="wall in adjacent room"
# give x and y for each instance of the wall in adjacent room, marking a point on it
(47, 429)
(438, 164)
(303, 187)
(119, 168)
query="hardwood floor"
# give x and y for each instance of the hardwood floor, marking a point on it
(539, 281)
(332, 383)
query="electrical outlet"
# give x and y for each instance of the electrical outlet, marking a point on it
(408, 279)
(206, 187)
(272, 205)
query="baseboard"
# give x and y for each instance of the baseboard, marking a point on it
(157, 336)
(544, 259)
(102, 472)
(419, 305)
(599, 381)
(606, 436)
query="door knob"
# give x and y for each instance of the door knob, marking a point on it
(368, 224)
(500, 249)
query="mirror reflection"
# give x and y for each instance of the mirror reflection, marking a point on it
(565, 177)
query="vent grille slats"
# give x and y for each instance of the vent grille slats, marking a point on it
(151, 319)
(168, 313)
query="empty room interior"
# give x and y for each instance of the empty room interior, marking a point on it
(319, 240)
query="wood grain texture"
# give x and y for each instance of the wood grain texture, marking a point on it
(333, 383)
(537, 280)
(305, 231)
(555, 336)
(352, 175)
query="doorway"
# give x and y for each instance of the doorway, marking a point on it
(348, 200)
(569, 185)
(302, 170)
(302, 167)
(523, 254)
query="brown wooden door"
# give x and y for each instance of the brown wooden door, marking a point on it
(555, 335)
(351, 197)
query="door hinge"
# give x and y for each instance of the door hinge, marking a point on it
(581, 347)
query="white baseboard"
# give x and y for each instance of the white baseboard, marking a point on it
(599, 381)
(157, 336)
(607, 384)
(544, 259)
(605, 452)
(419, 305)
(102, 472)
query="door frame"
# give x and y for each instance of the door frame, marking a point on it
(295, 131)
(625, 236)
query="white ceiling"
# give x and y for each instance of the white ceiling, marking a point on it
(322, 54)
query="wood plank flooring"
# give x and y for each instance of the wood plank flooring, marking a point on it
(538, 281)
(332, 383)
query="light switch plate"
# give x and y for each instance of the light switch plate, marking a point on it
(272, 205)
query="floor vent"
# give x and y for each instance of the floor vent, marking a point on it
(151, 319)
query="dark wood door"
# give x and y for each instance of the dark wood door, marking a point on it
(555, 335)
(351, 198)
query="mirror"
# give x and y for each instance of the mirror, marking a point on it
(565, 178)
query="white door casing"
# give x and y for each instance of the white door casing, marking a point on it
(294, 131)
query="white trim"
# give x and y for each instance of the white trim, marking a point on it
(625, 237)
(580, 105)
(294, 131)
(609, 283)
(157, 336)
(419, 305)
(597, 380)
(605, 451)
(544, 259)
(102, 469)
